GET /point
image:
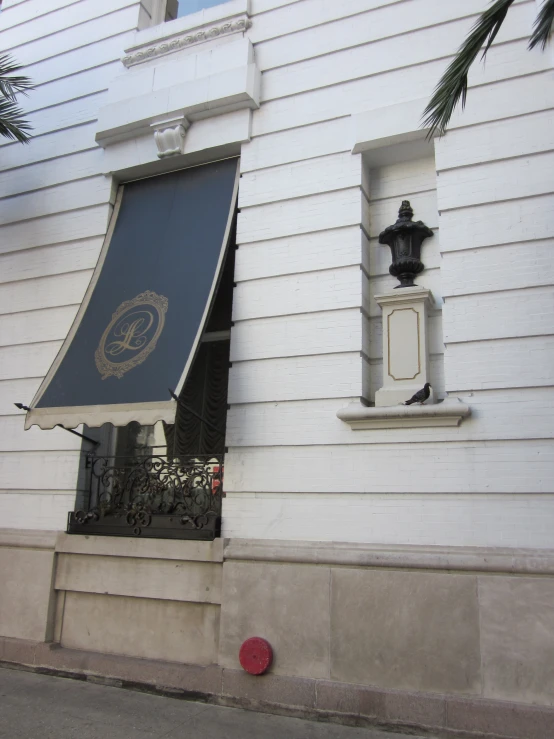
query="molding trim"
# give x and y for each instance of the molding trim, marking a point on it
(407, 295)
(450, 412)
(466, 559)
(183, 40)
(28, 538)
(418, 334)
(127, 546)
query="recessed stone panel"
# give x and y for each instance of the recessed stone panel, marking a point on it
(517, 638)
(286, 604)
(405, 630)
(25, 592)
(403, 347)
(140, 627)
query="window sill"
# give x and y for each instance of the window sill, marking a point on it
(450, 412)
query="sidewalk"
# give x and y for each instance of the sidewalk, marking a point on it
(36, 706)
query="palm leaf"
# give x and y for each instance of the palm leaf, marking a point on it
(453, 84)
(543, 25)
(10, 84)
(12, 124)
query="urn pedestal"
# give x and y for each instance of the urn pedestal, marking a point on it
(405, 350)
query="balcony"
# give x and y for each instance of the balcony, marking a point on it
(152, 496)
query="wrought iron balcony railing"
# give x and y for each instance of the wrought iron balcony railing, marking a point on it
(152, 496)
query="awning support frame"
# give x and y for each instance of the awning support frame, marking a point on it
(197, 415)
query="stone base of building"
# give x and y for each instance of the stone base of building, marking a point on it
(452, 641)
(323, 700)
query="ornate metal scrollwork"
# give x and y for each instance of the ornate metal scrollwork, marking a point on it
(152, 496)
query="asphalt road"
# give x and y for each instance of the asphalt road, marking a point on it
(36, 706)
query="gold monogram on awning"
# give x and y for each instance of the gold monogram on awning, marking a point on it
(131, 335)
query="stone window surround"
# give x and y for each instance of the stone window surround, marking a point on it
(188, 121)
(212, 22)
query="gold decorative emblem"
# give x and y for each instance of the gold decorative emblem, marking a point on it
(131, 335)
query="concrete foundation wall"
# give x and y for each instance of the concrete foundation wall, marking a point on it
(458, 621)
(452, 639)
(153, 598)
(26, 566)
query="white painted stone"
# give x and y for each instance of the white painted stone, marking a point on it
(299, 332)
(448, 413)
(169, 136)
(206, 83)
(189, 23)
(394, 124)
(205, 140)
(405, 344)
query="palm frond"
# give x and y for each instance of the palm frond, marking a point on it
(12, 124)
(453, 84)
(10, 84)
(542, 26)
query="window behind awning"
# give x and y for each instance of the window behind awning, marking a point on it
(139, 325)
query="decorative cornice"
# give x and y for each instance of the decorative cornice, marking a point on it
(188, 38)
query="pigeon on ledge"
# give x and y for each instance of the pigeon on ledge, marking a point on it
(421, 395)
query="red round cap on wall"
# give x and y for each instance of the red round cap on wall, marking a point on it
(256, 655)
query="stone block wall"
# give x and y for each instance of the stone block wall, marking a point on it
(465, 622)
(26, 567)
(156, 599)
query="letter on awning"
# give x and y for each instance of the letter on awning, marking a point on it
(142, 317)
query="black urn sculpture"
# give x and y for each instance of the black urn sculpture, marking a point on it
(405, 238)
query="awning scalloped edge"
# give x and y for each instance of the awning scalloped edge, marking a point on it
(147, 414)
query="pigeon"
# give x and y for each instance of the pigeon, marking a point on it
(421, 395)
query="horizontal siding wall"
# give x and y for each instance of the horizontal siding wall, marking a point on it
(55, 205)
(306, 271)
(306, 338)
(389, 518)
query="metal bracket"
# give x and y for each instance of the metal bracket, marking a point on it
(194, 413)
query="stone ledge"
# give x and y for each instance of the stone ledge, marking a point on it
(185, 551)
(447, 716)
(450, 412)
(472, 559)
(28, 538)
(392, 133)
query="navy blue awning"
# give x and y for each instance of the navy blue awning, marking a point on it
(142, 317)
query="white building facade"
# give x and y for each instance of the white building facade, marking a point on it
(399, 560)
